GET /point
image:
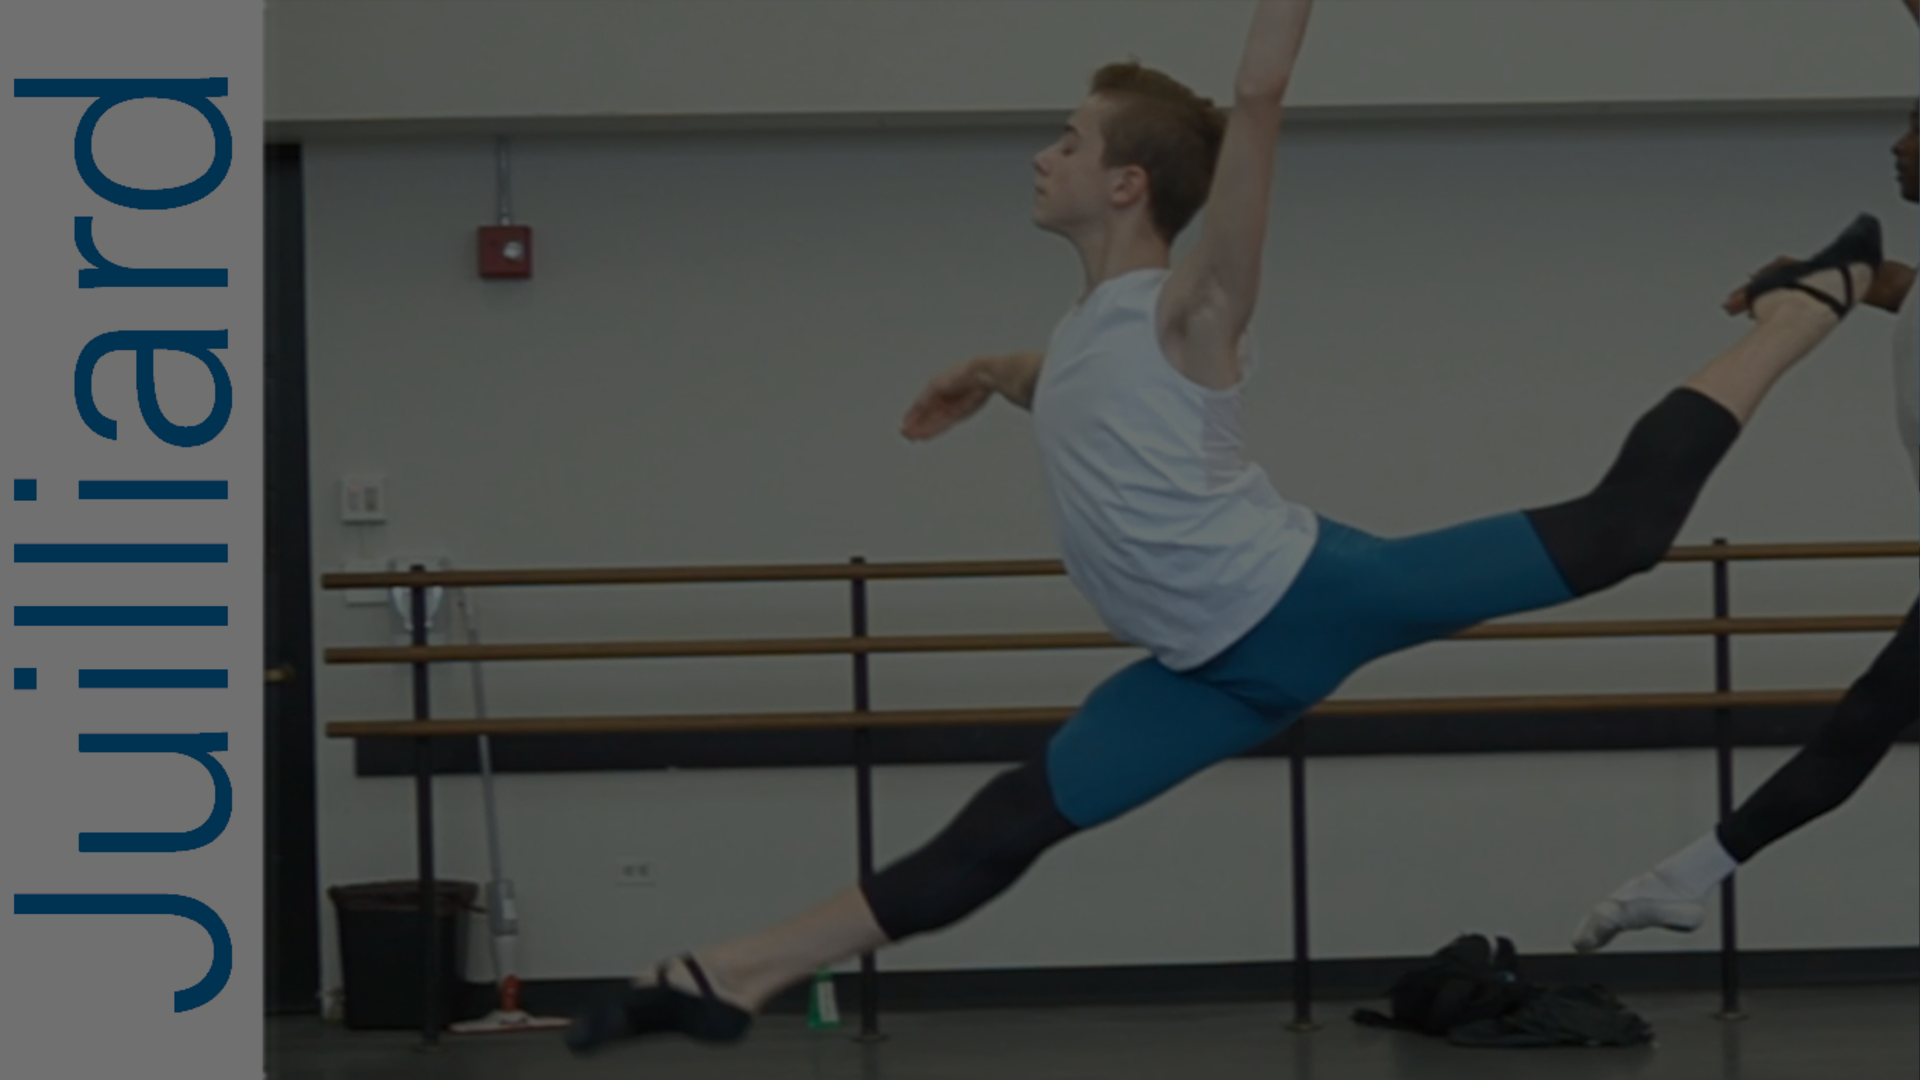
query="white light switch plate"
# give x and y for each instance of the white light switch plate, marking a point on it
(363, 499)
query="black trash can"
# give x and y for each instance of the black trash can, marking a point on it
(382, 962)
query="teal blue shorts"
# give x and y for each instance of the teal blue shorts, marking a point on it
(1357, 598)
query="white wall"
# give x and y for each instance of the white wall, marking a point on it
(1459, 319)
(702, 61)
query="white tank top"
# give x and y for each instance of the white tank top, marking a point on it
(1180, 544)
(1906, 377)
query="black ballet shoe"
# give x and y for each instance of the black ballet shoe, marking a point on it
(639, 1011)
(1859, 244)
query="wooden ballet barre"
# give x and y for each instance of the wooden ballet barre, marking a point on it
(797, 646)
(1856, 549)
(697, 575)
(933, 718)
(908, 571)
(856, 646)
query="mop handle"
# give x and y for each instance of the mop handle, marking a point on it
(486, 747)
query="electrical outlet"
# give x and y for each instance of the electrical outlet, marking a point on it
(632, 872)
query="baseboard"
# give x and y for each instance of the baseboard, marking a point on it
(1334, 981)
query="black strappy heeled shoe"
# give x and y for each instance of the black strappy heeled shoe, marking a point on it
(660, 1009)
(1859, 244)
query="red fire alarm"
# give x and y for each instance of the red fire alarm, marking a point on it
(506, 251)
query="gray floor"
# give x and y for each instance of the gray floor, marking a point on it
(1853, 1033)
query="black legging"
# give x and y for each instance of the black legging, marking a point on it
(1879, 705)
(1627, 523)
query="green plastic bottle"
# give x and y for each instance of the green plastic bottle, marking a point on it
(823, 1006)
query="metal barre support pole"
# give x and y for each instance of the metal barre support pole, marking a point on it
(423, 823)
(1297, 826)
(1723, 783)
(863, 797)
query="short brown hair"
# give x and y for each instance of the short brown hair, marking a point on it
(1166, 129)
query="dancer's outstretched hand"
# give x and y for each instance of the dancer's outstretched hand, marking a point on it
(952, 396)
(1890, 286)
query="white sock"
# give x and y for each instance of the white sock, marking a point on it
(1693, 871)
(1671, 896)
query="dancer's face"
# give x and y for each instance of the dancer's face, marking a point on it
(1904, 153)
(1073, 187)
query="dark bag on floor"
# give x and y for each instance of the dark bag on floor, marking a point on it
(1470, 980)
(1472, 993)
(1561, 1016)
